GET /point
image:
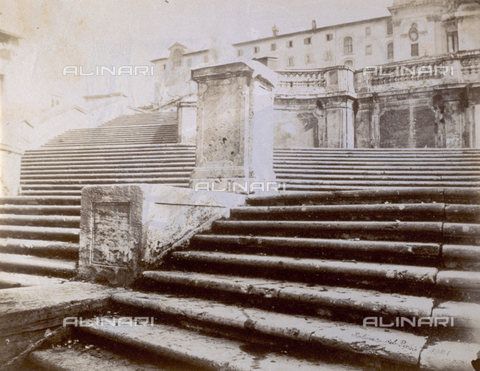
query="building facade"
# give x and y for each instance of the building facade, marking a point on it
(410, 79)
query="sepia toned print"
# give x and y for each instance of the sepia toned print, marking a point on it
(240, 185)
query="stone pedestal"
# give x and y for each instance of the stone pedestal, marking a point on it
(187, 121)
(234, 128)
(127, 229)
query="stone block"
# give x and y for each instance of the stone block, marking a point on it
(234, 125)
(10, 159)
(125, 229)
(187, 121)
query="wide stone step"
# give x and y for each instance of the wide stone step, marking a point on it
(377, 195)
(366, 341)
(413, 231)
(102, 149)
(378, 159)
(51, 193)
(72, 177)
(318, 296)
(383, 212)
(12, 280)
(60, 221)
(300, 168)
(78, 187)
(378, 183)
(390, 151)
(370, 164)
(39, 247)
(439, 172)
(62, 143)
(40, 200)
(28, 161)
(417, 177)
(86, 357)
(101, 166)
(41, 233)
(105, 180)
(107, 153)
(110, 170)
(317, 245)
(106, 162)
(40, 209)
(321, 268)
(37, 265)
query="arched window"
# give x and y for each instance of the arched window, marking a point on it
(348, 45)
(390, 54)
(177, 58)
(348, 63)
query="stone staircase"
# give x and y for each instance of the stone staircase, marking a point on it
(317, 169)
(287, 282)
(40, 227)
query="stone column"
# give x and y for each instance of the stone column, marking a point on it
(187, 121)
(234, 127)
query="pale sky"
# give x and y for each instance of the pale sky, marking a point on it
(58, 33)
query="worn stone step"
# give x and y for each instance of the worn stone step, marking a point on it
(448, 160)
(459, 280)
(449, 356)
(194, 352)
(102, 166)
(395, 231)
(158, 180)
(77, 187)
(73, 177)
(376, 154)
(97, 143)
(112, 146)
(106, 163)
(74, 358)
(139, 157)
(386, 150)
(372, 164)
(374, 271)
(110, 170)
(368, 341)
(41, 233)
(61, 221)
(11, 280)
(39, 247)
(379, 183)
(373, 302)
(363, 177)
(336, 188)
(40, 200)
(106, 153)
(40, 209)
(462, 257)
(37, 265)
(377, 195)
(316, 245)
(439, 172)
(382, 212)
(51, 193)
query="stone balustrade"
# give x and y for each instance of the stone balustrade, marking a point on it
(314, 82)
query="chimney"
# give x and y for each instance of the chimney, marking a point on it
(275, 30)
(314, 24)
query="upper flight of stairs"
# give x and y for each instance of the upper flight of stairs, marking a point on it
(317, 169)
(39, 229)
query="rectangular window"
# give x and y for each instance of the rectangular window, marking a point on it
(290, 44)
(307, 41)
(256, 49)
(390, 54)
(368, 50)
(452, 40)
(177, 64)
(239, 52)
(189, 62)
(309, 58)
(329, 36)
(389, 27)
(273, 47)
(164, 66)
(368, 31)
(414, 50)
(291, 62)
(205, 59)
